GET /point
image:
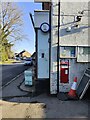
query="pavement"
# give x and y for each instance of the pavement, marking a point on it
(13, 89)
(18, 101)
(27, 88)
(44, 106)
(20, 110)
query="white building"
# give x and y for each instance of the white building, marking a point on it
(62, 43)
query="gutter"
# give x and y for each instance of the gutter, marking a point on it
(32, 20)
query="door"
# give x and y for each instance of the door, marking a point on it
(43, 71)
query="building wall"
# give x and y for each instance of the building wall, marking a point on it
(54, 39)
(46, 5)
(40, 17)
(42, 0)
(42, 45)
(75, 70)
(77, 36)
(43, 48)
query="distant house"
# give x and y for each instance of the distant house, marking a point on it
(23, 54)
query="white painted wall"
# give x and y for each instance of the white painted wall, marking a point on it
(43, 47)
(42, 44)
(40, 16)
(54, 39)
(77, 36)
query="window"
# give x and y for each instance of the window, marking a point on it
(83, 54)
(67, 52)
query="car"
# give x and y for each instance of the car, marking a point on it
(17, 58)
(28, 61)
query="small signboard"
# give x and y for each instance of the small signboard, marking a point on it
(84, 84)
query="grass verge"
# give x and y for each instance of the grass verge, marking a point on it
(10, 61)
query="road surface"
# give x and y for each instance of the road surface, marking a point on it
(8, 72)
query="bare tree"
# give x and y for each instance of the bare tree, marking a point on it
(10, 28)
(10, 22)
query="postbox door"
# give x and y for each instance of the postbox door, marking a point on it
(64, 74)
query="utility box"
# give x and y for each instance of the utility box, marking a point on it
(28, 77)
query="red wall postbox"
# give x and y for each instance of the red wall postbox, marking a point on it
(64, 72)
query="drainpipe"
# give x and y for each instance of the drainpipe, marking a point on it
(58, 48)
(49, 46)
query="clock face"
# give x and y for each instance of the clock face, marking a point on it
(44, 27)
